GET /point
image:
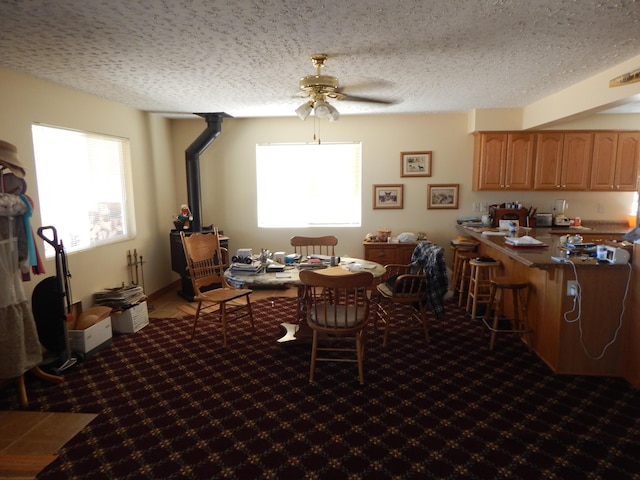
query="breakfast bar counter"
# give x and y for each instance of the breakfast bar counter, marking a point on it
(580, 335)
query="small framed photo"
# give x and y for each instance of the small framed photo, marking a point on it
(442, 196)
(388, 196)
(415, 164)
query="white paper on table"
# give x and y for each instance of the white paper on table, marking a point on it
(525, 240)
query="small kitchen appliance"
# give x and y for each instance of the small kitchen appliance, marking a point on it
(496, 213)
(544, 219)
(559, 210)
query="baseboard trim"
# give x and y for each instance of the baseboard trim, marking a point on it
(173, 286)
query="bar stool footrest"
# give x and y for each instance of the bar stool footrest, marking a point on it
(504, 330)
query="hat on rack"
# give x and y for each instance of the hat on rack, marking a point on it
(9, 158)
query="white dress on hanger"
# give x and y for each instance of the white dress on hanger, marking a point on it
(20, 348)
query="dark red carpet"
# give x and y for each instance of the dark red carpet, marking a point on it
(173, 407)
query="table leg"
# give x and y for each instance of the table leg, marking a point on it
(298, 332)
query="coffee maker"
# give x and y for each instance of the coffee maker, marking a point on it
(559, 210)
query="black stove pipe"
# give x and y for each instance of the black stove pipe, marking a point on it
(192, 157)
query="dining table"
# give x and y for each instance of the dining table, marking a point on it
(297, 330)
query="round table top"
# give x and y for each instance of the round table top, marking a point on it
(291, 274)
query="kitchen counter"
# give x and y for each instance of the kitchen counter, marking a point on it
(581, 338)
(540, 257)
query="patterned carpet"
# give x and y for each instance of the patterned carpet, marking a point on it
(173, 407)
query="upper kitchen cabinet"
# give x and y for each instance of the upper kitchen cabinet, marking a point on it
(563, 160)
(503, 161)
(615, 161)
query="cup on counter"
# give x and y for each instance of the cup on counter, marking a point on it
(486, 220)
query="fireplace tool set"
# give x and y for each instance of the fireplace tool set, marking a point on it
(135, 265)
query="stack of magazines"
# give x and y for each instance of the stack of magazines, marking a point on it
(120, 298)
(275, 267)
(246, 268)
(312, 262)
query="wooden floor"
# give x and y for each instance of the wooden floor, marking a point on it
(29, 440)
(165, 304)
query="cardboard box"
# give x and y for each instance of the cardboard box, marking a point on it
(92, 339)
(130, 320)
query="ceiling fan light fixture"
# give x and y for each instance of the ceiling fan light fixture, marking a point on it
(304, 110)
(334, 116)
(322, 109)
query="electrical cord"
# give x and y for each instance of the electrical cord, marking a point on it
(577, 307)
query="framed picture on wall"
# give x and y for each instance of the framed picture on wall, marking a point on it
(442, 195)
(415, 164)
(388, 196)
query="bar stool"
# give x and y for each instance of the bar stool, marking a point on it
(482, 271)
(458, 247)
(462, 275)
(518, 323)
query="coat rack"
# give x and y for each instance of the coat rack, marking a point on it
(21, 350)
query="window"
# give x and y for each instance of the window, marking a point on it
(82, 187)
(309, 185)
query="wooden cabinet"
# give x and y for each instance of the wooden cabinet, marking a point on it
(563, 160)
(387, 253)
(504, 161)
(556, 160)
(631, 334)
(615, 161)
(567, 346)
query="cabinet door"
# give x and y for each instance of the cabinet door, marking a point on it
(576, 161)
(549, 147)
(492, 157)
(631, 332)
(519, 161)
(603, 168)
(405, 252)
(382, 254)
(627, 162)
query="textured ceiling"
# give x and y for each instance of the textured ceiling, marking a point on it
(245, 57)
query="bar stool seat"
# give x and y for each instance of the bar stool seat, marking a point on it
(482, 270)
(517, 323)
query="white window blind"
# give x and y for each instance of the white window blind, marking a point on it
(82, 186)
(309, 185)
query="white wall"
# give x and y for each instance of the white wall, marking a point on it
(228, 171)
(590, 95)
(26, 100)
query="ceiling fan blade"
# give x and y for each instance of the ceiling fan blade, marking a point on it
(353, 84)
(627, 78)
(354, 98)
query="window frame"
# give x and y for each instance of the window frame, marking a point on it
(63, 178)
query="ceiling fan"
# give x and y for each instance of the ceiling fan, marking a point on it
(629, 77)
(320, 87)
